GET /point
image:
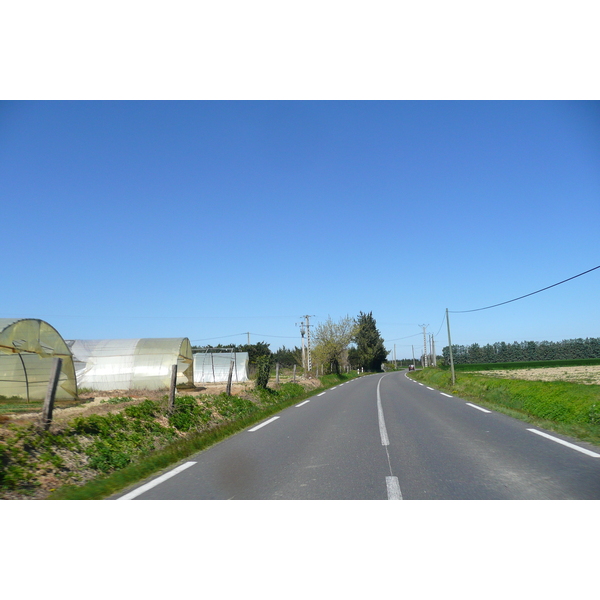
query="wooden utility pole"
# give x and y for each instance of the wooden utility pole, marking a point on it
(229, 378)
(172, 389)
(50, 393)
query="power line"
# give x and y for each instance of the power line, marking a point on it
(443, 321)
(526, 295)
(404, 338)
(286, 337)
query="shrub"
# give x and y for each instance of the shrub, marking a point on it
(148, 409)
(263, 371)
(188, 414)
(231, 407)
(104, 457)
(98, 424)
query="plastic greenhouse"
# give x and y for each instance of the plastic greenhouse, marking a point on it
(28, 348)
(214, 367)
(131, 364)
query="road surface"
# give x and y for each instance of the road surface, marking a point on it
(384, 437)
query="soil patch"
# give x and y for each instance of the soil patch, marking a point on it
(589, 375)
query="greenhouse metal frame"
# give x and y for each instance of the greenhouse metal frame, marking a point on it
(28, 348)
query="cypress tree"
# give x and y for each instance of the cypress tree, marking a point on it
(369, 343)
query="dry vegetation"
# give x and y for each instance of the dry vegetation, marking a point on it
(589, 375)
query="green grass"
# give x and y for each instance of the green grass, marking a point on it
(119, 447)
(569, 408)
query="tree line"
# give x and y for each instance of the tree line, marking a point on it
(254, 351)
(524, 351)
(352, 343)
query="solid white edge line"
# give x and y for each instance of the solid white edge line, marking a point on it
(156, 481)
(447, 395)
(559, 441)
(478, 407)
(263, 424)
(393, 488)
(302, 403)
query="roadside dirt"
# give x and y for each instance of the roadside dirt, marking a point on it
(587, 375)
(96, 402)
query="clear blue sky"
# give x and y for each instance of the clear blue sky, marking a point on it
(211, 219)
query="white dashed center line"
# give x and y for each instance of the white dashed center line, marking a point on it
(263, 424)
(479, 408)
(156, 481)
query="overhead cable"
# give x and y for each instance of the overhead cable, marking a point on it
(443, 321)
(404, 338)
(526, 295)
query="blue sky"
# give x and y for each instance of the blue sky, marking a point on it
(212, 219)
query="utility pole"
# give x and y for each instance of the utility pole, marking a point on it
(302, 333)
(248, 338)
(450, 348)
(433, 357)
(308, 356)
(425, 361)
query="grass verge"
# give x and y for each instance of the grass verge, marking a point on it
(571, 409)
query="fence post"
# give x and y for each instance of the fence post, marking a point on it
(50, 393)
(294, 376)
(277, 373)
(172, 388)
(229, 378)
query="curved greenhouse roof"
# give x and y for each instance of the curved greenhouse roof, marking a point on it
(131, 364)
(28, 348)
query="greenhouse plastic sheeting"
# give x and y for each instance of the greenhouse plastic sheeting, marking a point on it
(28, 348)
(214, 367)
(131, 364)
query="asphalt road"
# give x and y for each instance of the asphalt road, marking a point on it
(384, 437)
